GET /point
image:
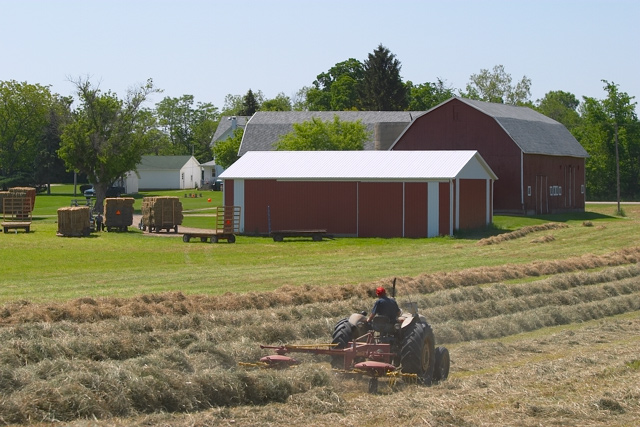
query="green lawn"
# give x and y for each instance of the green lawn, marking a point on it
(40, 266)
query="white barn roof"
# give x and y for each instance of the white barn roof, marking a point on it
(360, 166)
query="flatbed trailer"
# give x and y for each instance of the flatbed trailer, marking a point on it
(227, 224)
(16, 212)
(211, 236)
(11, 225)
(316, 235)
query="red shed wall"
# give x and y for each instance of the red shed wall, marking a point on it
(565, 174)
(380, 209)
(416, 205)
(473, 203)
(228, 193)
(457, 126)
(300, 205)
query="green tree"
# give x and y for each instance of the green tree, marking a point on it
(28, 120)
(608, 125)
(318, 135)
(280, 103)
(382, 88)
(106, 138)
(232, 105)
(337, 89)
(189, 127)
(560, 106)
(47, 166)
(495, 86)
(225, 152)
(425, 96)
(250, 104)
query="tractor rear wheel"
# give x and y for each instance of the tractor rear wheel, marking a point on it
(342, 334)
(417, 355)
(441, 370)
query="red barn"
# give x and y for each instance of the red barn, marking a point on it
(361, 193)
(541, 166)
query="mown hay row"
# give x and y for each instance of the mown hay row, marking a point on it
(74, 221)
(522, 232)
(291, 297)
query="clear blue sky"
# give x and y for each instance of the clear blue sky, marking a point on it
(210, 48)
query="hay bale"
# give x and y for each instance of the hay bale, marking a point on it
(162, 211)
(74, 221)
(118, 212)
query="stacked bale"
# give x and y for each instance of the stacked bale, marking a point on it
(74, 221)
(118, 213)
(163, 212)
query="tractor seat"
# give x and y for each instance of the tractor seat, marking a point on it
(382, 324)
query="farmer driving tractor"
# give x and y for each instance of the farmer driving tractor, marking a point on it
(384, 306)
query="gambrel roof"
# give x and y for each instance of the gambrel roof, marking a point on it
(265, 128)
(533, 132)
(224, 129)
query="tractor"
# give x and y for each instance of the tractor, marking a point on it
(379, 349)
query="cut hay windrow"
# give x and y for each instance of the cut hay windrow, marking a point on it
(522, 232)
(74, 221)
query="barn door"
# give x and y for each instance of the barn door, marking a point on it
(542, 195)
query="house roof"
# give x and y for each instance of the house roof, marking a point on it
(360, 165)
(162, 162)
(265, 127)
(533, 132)
(224, 126)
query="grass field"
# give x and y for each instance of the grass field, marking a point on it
(128, 329)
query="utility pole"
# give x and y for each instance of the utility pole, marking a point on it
(615, 127)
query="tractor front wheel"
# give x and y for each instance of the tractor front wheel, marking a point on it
(441, 370)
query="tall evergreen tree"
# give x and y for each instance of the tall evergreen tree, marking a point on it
(382, 88)
(249, 104)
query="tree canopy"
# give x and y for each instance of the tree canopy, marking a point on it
(30, 121)
(225, 152)
(189, 128)
(318, 135)
(495, 86)
(560, 106)
(106, 138)
(606, 123)
(382, 88)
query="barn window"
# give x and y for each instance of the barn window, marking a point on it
(559, 190)
(552, 190)
(529, 191)
(582, 189)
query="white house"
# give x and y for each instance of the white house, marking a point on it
(210, 173)
(168, 173)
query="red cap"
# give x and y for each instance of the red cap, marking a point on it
(380, 291)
